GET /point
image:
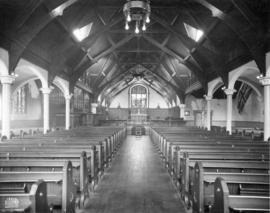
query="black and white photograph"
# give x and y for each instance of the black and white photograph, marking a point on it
(134, 106)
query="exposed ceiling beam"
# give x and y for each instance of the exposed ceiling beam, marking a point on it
(78, 72)
(189, 65)
(24, 37)
(113, 81)
(106, 65)
(173, 70)
(176, 89)
(92, 38)
(148, 31)
(136, 50)
(163, 48)
(20, 21)
(185, 40)
(246, 12)
(257, 49)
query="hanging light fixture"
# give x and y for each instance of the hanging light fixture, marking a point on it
(137, 27)
(138, 12)
(143, 27)
(126, 26)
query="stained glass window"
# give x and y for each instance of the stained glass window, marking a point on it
(19, 100)
(138, 97)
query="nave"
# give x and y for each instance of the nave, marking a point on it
(137, 182)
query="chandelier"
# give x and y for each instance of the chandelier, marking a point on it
(137, 12)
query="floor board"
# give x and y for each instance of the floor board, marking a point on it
(136, 183)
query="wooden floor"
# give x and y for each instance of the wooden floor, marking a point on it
(136, 182)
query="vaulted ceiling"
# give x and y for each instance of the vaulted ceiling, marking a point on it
(110, 57)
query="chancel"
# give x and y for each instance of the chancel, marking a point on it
(134, 106)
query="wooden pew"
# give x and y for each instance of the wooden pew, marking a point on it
(171, 157)
(60, 188)
(33, 200)
(102, 147)
(94, 149)
(224, 201)
(203, 192)
(110, 143)
(80, 172)
(188, 160)
(47, 149)
(172, 148)
(53, 153)
(209, 148)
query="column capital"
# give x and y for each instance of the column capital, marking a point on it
(46, 90)
(229, 91)
(7, 79)
(208, 97)
(265, 81)
(69, 96)
(182, 105)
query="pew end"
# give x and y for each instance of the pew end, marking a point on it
(33, 201)
(224, 202)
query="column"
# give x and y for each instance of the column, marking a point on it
(208, 115)
(182, 111)
(6, 104)
(67, 123)
(229, 93)
(265, 81)
(46, 115)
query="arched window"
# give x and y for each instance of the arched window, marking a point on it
(138, 97)
(19, 100)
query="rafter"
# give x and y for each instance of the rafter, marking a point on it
(246, 12)
(185, 40)
(103, 70)
(256, 50)
(77, 73)
(27, 13)
(114, 80)
(92, 38)
(24, 37)
(190, 66)
(163, 48)
(176, 89)
(173, 72)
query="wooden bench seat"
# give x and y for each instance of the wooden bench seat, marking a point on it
(172, 160)
(173, 148)
(104, 148)
(80, 172)
(33, 201)
(92, 162)
(40, 156)
(95, 158)
(108, 145)
(60, 187)
(224, 202)
(239, 160)
(248, 162)
(217, 166)
(163, 143)
(203, 191)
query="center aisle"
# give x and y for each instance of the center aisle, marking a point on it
(136, 182)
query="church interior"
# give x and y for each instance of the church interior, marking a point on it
(135, 106)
